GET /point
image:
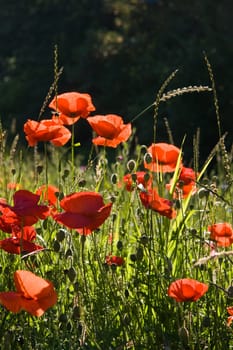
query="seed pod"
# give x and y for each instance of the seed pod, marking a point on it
(114, 179)
(139, 253)
(131, 165)
(147, 158)
(68, 253)
(56, 246)
(230, 292)
(144, 239)
(119, 245)
(71, 274)
(133, 257)
(39, 169)
(76, 312)
(61, 235)
(184, 335)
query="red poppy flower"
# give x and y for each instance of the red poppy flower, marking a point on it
(187, 289)
(185, 184)
(48, 193)
(111, 130)
(8, 219)
(46, 130)
(25, 211)
(230, 312)
(222, 233)
(164, 157)
(141, 177)
(151, 200)
(72, 106)
(18, 244)
(33, 294)
(83, 210)
(114, 260)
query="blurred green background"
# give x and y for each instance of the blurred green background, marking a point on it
(120, 52)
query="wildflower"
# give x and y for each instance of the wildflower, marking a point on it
(24, 212)
(83, 210)
(114, 260)
(230, 318)
(140, 177)
(222, 233)
(33, 294)
(72, 106)
(164, 157)
(20, 241)
(48, 193)
(110, 129)
(187, 289)
(185, 184)
(151, 200)
(46, 130)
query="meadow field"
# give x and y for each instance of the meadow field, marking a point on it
(129, 247)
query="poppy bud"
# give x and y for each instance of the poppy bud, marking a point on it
(131, 165)
(144, 239)
(203, 193)
(133, 257)
(56, 246)
(76, 312)
(68, 253)
(139, 254)
(82, 183)
(66, 173)
(119, 245)
(71, 274)
(63, 318)
(147, 158)
(61, 235)
(39, 169)
(184, 335)
(146, 177)
(114, 179)
(230, 292)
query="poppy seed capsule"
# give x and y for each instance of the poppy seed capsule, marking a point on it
(131, 165)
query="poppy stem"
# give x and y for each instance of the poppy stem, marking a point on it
(72, 152)
(46, 163)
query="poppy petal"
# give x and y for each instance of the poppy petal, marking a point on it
(32, 286)
(12, 301)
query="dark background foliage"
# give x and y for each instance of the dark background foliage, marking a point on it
(120, 52)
